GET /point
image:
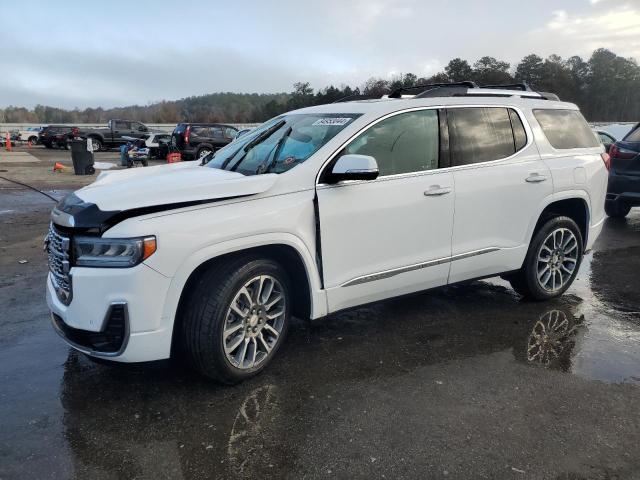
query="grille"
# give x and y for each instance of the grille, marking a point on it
(57, 247)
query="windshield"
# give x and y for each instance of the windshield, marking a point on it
(280, 144)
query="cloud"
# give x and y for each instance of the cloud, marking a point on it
(617, 29)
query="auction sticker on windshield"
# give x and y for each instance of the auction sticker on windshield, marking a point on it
(332, 121)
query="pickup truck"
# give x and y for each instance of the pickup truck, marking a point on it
(112, 135)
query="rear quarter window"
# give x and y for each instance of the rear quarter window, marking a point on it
(566, 129)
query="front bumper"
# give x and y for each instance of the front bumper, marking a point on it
(115, 313)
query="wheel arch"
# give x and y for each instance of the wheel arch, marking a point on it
(574, 206)
(308, 301)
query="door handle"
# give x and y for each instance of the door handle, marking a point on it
(436, 191)
(535, 178)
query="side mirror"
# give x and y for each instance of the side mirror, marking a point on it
(354, 167)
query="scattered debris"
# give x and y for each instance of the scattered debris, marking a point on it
(517, 470)
(23, 261)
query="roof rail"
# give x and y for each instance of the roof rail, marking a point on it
(356, 96)
(460, 89)
(397, 93)
(511, 86)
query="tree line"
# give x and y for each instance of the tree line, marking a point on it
(606, 87)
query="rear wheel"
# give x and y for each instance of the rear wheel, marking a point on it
(203, 152)
(236, 318)
(552, 261)
(616, 208)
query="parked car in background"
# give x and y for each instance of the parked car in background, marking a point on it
(29, 134)
(323, 209)
(197, 140)
(606, 139)
(54, 136)
(242, 132)
(158, 144)
(623, 191)
(111, 136)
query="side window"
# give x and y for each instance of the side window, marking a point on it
(519, 134)
(202, 132)
(120, 125)
(217, 132)
(479, 134)
(230, 132)
(566, 129)
(404, 143)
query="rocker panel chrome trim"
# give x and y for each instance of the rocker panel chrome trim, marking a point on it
(417, 266)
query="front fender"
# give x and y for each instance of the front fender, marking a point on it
(179, 280)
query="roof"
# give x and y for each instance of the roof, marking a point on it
(383, 106)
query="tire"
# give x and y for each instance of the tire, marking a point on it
(208, 311)
(616, 209)
(33, 140)
(548, 272)
(203, 152)
(48, 145)
(96, 144)
(145, 163)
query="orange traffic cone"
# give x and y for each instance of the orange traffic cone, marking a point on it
(7, 144)
(58, 167)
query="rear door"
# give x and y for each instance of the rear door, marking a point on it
(500, 183)
(392, 235)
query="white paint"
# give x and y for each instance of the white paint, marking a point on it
(367, 227)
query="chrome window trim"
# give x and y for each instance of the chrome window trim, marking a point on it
(372, 277)
(518, 110)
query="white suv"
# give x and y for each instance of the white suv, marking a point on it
(322, 209)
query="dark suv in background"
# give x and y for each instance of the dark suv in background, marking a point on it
(54, 136)
(197, 140)
(624, 177)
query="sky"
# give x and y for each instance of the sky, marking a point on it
(116, 53)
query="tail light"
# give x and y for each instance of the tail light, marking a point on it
(187, 132)
(607, 160)
(621, 153)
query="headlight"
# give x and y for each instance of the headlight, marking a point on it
(112, 252)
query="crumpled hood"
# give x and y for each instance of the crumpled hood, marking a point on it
(176, 183)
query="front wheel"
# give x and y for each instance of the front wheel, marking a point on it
(236, 318)
(96, 144)
(552, 261)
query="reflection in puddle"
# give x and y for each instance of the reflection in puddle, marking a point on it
(553, 338)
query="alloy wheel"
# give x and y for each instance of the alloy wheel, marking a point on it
(557, 259)
(254, 322)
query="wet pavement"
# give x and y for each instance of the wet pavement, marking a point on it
(462, 382)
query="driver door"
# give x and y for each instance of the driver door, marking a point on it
(389, 236)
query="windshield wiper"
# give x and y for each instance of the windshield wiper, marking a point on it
(259, 139)
(275, 154)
